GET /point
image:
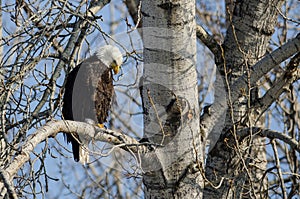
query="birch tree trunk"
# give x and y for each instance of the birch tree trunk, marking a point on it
(170, 97)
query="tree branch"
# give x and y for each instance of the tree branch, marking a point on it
(257, 71)
(208, 41)
(96, 6)
(5, 179)
(271, 135)
(133, 9)
(277, 161)
(86, 130)
(291, 74)
(265, 65)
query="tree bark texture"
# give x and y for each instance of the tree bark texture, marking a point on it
(170, 98)
(251, 26)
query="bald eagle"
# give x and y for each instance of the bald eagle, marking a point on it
(89, 91)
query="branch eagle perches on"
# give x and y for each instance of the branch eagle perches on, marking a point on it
(84, 129)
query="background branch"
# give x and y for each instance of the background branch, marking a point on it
(266, 64)
(257, 71)
(291, 74)
(271, 135)
(208, 41)
(5, 179)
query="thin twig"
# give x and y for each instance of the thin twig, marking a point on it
(277, 161)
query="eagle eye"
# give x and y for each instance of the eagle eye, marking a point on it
(114, 63)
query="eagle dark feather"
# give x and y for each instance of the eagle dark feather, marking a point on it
(67, 110)
(88, 95)
(103, 96)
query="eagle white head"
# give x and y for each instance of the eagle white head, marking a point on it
(111, 56)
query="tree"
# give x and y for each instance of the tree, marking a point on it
(244, 145)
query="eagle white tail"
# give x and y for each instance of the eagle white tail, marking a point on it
(84, 155)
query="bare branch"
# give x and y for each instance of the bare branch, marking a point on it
(5, 178)
(258, 70)
(134, 7)
(208, 40)
(289, 76)
(283, 189)
(93, 132)
(266, 64)
(271, 135)
(96, 5)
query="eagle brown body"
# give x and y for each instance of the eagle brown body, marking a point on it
(88, 94)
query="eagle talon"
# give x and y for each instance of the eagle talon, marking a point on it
(101, 126)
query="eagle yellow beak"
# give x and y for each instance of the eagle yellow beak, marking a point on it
(115, 67)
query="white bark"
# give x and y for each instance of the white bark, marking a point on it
(171, 99)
